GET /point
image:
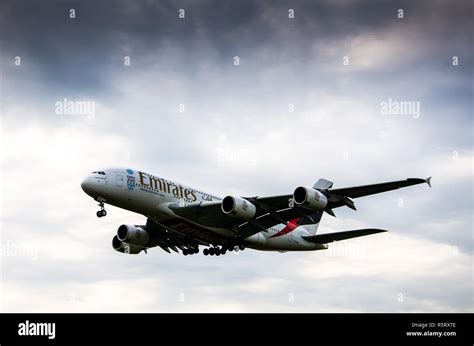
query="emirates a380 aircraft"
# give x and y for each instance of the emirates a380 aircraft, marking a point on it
(182, 218)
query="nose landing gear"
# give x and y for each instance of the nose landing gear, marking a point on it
(101, 212)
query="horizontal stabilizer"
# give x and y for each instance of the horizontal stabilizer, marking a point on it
(329, 237)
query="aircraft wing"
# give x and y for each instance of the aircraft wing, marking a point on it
(366, 190)
(334, 195)
(341, 197)
(273, 210)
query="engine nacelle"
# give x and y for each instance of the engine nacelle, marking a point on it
(133, 235)
(238, 207)
(123, 247)
(309, 198)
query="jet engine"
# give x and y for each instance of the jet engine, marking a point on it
(309, 198)
(123, 247)
(133, 235)
(238, 207)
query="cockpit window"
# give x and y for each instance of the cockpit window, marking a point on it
(98, 172)
(94, 172)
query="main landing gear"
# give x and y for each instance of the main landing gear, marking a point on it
(217, 251)
(101, 212)
(190, 251)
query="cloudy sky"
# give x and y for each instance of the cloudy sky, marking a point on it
(238, 98)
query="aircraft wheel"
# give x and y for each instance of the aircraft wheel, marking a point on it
(223, 251)
(185, 252)
(205, 252)
(211, 251)
(196, 250)
(99, 213)
(242, 247)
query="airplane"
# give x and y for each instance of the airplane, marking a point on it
(183, 218)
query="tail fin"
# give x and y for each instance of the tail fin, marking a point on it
(311, 222)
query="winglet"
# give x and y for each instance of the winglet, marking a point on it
(322, 184)
(428, 181)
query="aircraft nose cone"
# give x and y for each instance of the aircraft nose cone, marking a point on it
(86, 185)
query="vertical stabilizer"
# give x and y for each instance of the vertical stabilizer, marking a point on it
(311, 222)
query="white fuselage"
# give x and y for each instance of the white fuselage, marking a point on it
(151, 196)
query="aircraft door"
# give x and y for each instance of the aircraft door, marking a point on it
(120, 180)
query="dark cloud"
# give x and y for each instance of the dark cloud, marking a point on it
(80, 54)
